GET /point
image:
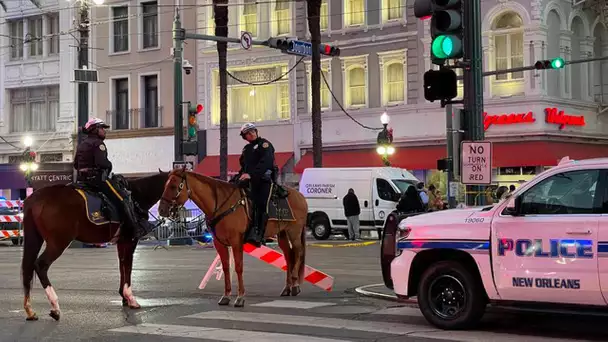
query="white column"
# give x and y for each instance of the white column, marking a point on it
(587, 69)
(488, 53)
(26, 47)
(45, 42)
(4, 41)
(529, 86)
(565, 73)
(540, 78)
(67, 62)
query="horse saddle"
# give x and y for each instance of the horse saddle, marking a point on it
(278, 208)
(100, 210)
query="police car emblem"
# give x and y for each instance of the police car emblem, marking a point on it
(102, 147)
(265, 145)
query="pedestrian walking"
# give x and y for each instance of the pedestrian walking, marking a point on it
(352, 211)
(410, 202)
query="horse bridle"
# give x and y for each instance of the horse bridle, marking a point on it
(213, 220)
(173, 206)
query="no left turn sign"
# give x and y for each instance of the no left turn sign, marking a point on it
(246, 40)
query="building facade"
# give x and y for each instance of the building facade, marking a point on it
(533, 117)
(37, 96)
(133, 43)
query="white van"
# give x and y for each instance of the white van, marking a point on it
(377, 188)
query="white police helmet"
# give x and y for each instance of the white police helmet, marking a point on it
(247, 127)
(95, 122)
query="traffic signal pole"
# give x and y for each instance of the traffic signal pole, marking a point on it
(178, 93)
(473, 83)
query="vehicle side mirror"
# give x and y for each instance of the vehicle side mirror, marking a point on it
(513, 206)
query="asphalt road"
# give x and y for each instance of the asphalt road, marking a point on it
(166, 281)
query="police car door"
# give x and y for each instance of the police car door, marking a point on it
(385, 200)
(548, 253)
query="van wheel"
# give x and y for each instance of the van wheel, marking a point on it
(450, 297)
(320, 228)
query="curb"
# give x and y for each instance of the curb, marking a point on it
(353, 244)
(362, 290)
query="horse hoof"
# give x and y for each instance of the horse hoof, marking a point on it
(33, 317)
(286, 292)
(295, 290)
(224, 301)
(55, 314)
(239, 302)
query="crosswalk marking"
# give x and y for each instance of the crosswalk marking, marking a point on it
(293, 304)
(217, 334)
(313, 321)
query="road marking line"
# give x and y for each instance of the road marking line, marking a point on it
(206, 333)
(292, 304)
(400, 311)
(318, 322)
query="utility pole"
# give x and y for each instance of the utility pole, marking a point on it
(314, 13)
(473, 83)
(83, 63)
(178, 120)
(220, 10)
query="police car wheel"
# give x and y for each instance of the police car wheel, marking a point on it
(450, 297)
(320, 228)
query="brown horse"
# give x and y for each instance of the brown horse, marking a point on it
(57, 215)
(227, 211)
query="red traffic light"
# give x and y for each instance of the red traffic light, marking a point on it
(329, 50)
(199, 108)
(33, 154)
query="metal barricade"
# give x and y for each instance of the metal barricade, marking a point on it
(11, 221)
(190, 227)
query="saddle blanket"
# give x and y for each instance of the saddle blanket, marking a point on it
(278, 209)
(99, 211)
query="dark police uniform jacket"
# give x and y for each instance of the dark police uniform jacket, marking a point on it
(92, 158)
(257, 160)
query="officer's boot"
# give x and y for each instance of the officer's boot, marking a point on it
(262, 220)
(132, 223)
(252, 231)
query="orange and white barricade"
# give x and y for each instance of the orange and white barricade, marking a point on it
(274, 258)
(8, 234)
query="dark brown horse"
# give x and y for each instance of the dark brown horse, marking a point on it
(227, 209)
(57, 215)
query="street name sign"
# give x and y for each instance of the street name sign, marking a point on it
(476, 162)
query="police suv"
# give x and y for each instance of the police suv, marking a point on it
(547, 244)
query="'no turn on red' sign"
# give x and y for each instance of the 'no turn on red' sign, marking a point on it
(476, 162)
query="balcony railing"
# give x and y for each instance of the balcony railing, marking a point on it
(135, 118)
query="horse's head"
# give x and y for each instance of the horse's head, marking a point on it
(175, 195)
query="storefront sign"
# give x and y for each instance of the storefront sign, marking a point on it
(507, 119)
(555, 116)
(43, 179)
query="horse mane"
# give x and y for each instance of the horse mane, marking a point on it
(214, 182)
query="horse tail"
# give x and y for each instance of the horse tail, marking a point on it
(302, 270)
(32, 242)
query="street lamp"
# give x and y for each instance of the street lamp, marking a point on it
(385, 140)
(28, 160)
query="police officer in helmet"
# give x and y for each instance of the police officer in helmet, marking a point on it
(94, 169)
(257, 166)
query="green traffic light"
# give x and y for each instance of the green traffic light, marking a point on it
(192, 132)
(444, 47)
(557, 63)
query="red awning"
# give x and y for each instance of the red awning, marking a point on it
(411, 158)
(543, 153)
(504, 154)
(210, 166)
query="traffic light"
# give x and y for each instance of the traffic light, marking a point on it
(555, 63)
(192, 121)
(440, 84)
(329, 50)
(282, 44)
(446, 27)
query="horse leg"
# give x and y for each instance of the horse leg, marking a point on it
(31, 248)
(225, 258)
(237, 253)
(42, 265)
(125, 258)
(298, 256)
(284, 244)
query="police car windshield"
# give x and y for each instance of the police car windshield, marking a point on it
(403, 184)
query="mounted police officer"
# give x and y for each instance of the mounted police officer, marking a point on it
(94, 169)
(258, 168)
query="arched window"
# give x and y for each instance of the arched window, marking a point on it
(394, 83)
(508, 35)
(356, 87)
